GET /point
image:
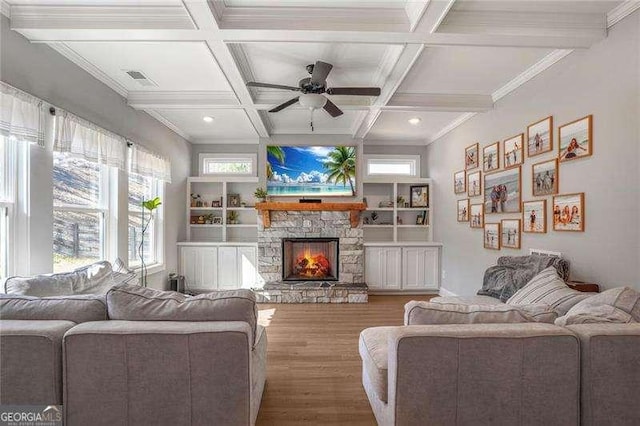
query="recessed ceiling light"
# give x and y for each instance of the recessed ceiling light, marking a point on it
(207, 119)
(414, 121)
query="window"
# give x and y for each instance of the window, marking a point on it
(228, 164)
(392, 165)
(8, 160)
(80, 212)
(144, 188)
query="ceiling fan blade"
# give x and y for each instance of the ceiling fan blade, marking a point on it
(332, 109)
(356, 91)
(272, 86)
(284, 105)
(320, 72)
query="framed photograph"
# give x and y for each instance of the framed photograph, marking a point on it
(544, 178)
(513, 151)
(502, 191)
(460, 182)
(216, 203)
(540, 137)
(463, 210)
(534, 216)
(576, 139)
(492, 236)
(568, 212)
(233, 200)
(510, 233)
(471, 154)
(491, 157)
(419, 196)
(477, 216)
(217, 220)
(474, 184)
(419, 219)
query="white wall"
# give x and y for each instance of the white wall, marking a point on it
(604, 81)
(41, 71)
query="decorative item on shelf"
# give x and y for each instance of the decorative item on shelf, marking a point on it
(406, 205)
(374, 216)
(232, 218)
(261, 194)
(365, 220)
(194, 200)
(243, 204)
(206, 204)
(233, 200)
(201, 220)
(149, 205)
(208, 219)
(400, 201)
(217, 220)
(419, 219)
(399, 220)
(364, 200)
(425, 218)
(193, 220)
(419, 196)
(385, 204)
(216, 203)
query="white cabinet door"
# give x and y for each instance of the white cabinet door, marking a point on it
(228, 270)
(420, 268)
(247, 263)
(382, 267)
(199, 267)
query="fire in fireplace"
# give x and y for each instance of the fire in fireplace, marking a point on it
(310, 259)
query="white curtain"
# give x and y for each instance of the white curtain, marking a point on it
(84, 139)
(149, 164)
(22, 115)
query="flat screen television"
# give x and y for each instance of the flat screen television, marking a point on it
(311, 171)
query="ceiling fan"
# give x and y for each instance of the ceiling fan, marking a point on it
(313, 89)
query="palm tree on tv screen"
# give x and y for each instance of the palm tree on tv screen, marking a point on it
(341, 165)
(277, 153)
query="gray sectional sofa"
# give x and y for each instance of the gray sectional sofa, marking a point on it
(135, 356)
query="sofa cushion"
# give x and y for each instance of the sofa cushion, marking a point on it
(80, 308)
(547, 287)
(417, 313)
(374, 350)
(618, 305)
(470, 300)
(96, 278)
(135, 303)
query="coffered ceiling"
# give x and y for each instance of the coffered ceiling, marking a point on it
(440, 60)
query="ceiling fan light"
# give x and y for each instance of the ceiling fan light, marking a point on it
(414, 121)
(312, 100)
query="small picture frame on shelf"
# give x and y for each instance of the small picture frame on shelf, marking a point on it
(233, 200)
(419, 196)
(216, 203)
(217, 220)
(419, 219)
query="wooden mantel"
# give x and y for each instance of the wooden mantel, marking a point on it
(354, 209)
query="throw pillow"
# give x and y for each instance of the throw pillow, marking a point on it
(547, 287)
(135, 303)
(424, 313)
(609, 306)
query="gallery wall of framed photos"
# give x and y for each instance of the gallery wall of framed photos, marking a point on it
(492, 183)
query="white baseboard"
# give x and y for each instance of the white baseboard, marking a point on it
(446, 293)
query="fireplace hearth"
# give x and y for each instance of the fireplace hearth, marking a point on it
(310, 259)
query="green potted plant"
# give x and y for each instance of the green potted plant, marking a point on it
(149, 205)
(261, 194)
(232, 217)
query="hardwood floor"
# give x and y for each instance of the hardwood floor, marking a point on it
(313, 365)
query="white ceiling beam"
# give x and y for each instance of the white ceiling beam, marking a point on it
(404, 63)
(181, 100)
(439, 102)
(434, 15)
(414, 10)
(621, 11)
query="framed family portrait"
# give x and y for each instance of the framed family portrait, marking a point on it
(463, 210)
(474, 184)
(491, 157)
(460, 182)
(476, 220)
(576, 139)
(471, 154)
(540, 137)
(492, 236)
(419, 196)
(502, 191)
(510, 233)
(513, 151)
(568, 212)
(544, 178)
(534, 216)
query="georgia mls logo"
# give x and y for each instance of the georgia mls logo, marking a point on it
(50, 415)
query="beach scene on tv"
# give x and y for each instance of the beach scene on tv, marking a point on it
(311, 170)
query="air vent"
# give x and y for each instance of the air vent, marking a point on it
(140, 78)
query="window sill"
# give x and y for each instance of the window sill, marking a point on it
(151, 269)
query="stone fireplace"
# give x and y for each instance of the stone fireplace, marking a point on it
(310, 259)
(316, 237)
